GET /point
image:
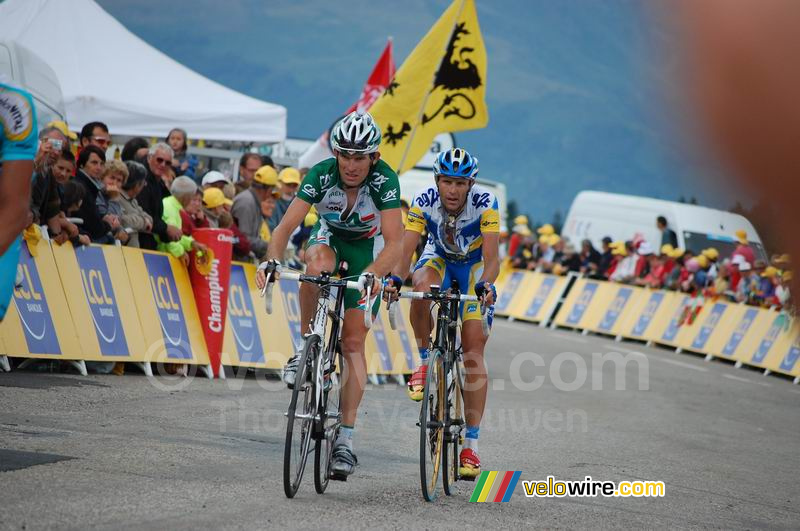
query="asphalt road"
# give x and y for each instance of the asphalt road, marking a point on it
(127, 452)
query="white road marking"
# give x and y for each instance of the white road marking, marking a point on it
(682, 364)
(737, 378)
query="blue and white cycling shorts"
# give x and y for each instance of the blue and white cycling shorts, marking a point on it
(466, 273)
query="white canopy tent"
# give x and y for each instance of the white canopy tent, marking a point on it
(128, 84)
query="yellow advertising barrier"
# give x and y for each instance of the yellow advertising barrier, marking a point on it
(101, 301)
(584, 304)
(507, 290)
(254, 338)
(537, 296)
(38, 324)
(167, 312)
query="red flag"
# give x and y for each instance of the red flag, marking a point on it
(379, 79)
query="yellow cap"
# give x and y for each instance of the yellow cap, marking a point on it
(64, 128)
(546, 230)
(267, 176)
(787, 276)
(289, 176)
(213, 197)
(619, 251)
(521, 220)
(770, 272)
(702, 260)
(667, 249)
(554, 239)
(522, 230)
(677, 253)
(741, 235)
(544, 239)
(711, 253)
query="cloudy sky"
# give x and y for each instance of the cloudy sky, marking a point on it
(575, 88)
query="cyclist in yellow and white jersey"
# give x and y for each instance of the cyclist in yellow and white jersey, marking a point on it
(463, 223)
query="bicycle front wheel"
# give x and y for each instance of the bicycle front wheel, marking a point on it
(454, 427)
(302, 410)
(328, 427)
(431, 426)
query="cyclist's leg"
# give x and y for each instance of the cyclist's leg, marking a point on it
(429, 270)
(320, 255)
(473, 342)
(358, 254)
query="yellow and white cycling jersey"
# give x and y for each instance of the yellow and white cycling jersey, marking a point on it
(459, 239)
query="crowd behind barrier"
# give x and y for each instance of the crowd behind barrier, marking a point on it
(764, 338)
(114, 304)
(740, 277)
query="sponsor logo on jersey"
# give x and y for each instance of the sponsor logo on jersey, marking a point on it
(325, 181)
(15, 115)
(377, 181)
(428, 197)
(389, 196)
(309, 190)
(480, 200)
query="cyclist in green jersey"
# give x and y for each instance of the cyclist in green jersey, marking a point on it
(357, 196)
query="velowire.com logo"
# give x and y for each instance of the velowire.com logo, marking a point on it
(495, 486)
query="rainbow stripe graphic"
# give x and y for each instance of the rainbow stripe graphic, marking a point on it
(495, 486)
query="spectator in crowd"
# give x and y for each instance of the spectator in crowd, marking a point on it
(288, 183)
(605, 259)
(64, 168)
(722, 283)
(551, 248)
(249, 164)
(114, 175)
(183, 163)
(215, 179)
(518, 234)
(746, 289)
(90, 172)
(644, 252)
(64, 129)
(133, 217)
(135, 149)
(246, 208)
(656, 272)
(568, 261)
(782, 294)
(743, 248)
(95, 134)
(625, 270)
(677, 273)
(45, 204)
(151, 198)
(192, 217)
(668, 235)
(74, 194)
(182, 192)
(523, 254)
(214, 202)
(713, 256)
(546, 230)
(267, 210)
(589, 258)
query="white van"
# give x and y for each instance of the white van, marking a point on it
(594, 215)
(416, 179)
(24, 69)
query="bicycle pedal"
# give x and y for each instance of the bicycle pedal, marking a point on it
(339, 477)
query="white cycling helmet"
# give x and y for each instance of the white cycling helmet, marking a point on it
(356, 133)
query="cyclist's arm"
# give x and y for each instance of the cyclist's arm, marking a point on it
(294, 215)
(392, 230)
(491, 256)
(15, 193)
(410, 241)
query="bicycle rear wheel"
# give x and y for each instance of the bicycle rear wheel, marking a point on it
(431, 428)
(302, 410)
(455, 404)
(330, 419)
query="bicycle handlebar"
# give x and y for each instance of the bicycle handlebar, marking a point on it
(266, 291)
(435, 296)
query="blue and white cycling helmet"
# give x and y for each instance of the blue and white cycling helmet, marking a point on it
(356, 133)
(456, 163)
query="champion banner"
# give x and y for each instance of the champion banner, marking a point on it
(210, 275)
(441, 87)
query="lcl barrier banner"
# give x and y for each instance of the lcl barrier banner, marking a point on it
(210, 278)
(254, 338)
(100, 299)
(38, 323)
(165, 303)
